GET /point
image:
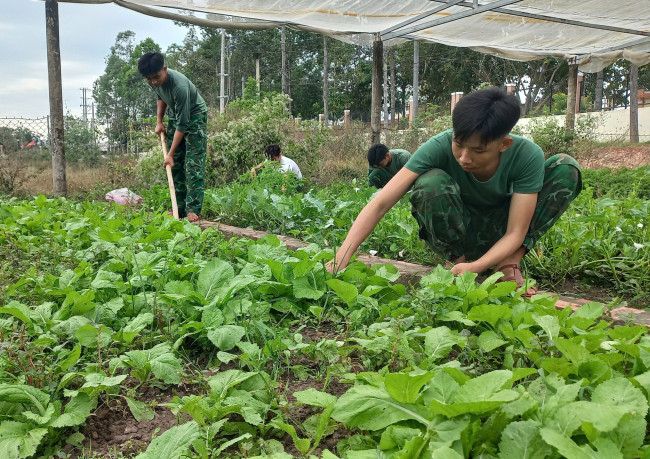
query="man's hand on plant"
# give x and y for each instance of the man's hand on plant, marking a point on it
(460, 268)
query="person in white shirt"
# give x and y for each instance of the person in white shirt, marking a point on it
(273, 153)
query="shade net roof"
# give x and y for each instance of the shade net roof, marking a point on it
(594, 32)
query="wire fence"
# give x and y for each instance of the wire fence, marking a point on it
(25, 131)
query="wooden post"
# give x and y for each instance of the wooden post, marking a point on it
(634, 103)
(283, 48)
(598, 100)
(326, 112)
(579, 81)
(375, 110)
(570, 119)
(59, 184)
(416, 79)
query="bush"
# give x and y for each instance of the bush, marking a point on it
(13, 175)
(553, 138)
(80, 143)
(619, 183)
(240, 143)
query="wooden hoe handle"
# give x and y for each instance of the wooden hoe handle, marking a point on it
(170, 179)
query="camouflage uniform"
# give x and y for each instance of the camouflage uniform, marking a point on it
(453, 228)
(189, 164)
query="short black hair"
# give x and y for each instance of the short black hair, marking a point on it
(377, 153)
(491, 113)
(150, 63)
(272, 151)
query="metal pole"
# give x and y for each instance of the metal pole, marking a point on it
(56, 97)
(222, 81)
(326, 112)
(377, 76)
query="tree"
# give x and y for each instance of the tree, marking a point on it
(121, 94)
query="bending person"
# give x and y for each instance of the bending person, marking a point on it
(481, 196)
(383, 164)
(185, 132)
(273, 153)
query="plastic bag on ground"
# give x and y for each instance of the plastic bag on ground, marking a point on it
(124, 197)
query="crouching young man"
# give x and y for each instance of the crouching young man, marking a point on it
(481, 196)
(186, 131)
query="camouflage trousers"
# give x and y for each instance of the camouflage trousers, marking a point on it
(453, 228)
(189, 164)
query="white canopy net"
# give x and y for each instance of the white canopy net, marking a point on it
(594, 32)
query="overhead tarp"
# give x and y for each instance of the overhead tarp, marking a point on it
(593, 32)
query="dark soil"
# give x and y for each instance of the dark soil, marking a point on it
(112, 430)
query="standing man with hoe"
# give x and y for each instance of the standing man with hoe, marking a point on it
(481, 196)
(186, 131)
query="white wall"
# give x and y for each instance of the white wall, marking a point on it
(612, 124)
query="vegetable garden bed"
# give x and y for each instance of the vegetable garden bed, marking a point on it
(252, 350)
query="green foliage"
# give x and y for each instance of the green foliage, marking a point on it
(80, 142)
(451, 366)
(618, 183)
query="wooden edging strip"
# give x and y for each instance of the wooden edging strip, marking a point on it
(411, 272)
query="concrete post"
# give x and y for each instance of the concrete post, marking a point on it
(347, 122)
(510, 88)
(411, 113)
(321, 117)
(455, 97)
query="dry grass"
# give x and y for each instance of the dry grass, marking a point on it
(81, 180)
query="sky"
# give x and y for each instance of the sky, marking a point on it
(86, 34)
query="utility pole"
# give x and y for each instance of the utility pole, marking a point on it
(84, 104)
(56, 97)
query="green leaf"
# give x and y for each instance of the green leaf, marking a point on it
(502, 289)
(214, 275)
(139, 410)
(405, 387)
(303, 288)
(621, 393)
(371, 408)
(70, 359)
(628, 436)
(18, 310)
(442, 388)
(224, 380)
(26, 395)
(105, 279)
(344, 290)
(88, 336)
(490, 313)
(18, 440)
(590, 311)
(226, 337)
(134, 327)
(439, 342)
(76, 411)
(301, 444)
(489, 341)
(164, 364)
(102, 381)
(314, 397)
(550, 324)
(523, 440)
(566, 446)
(173, 443)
